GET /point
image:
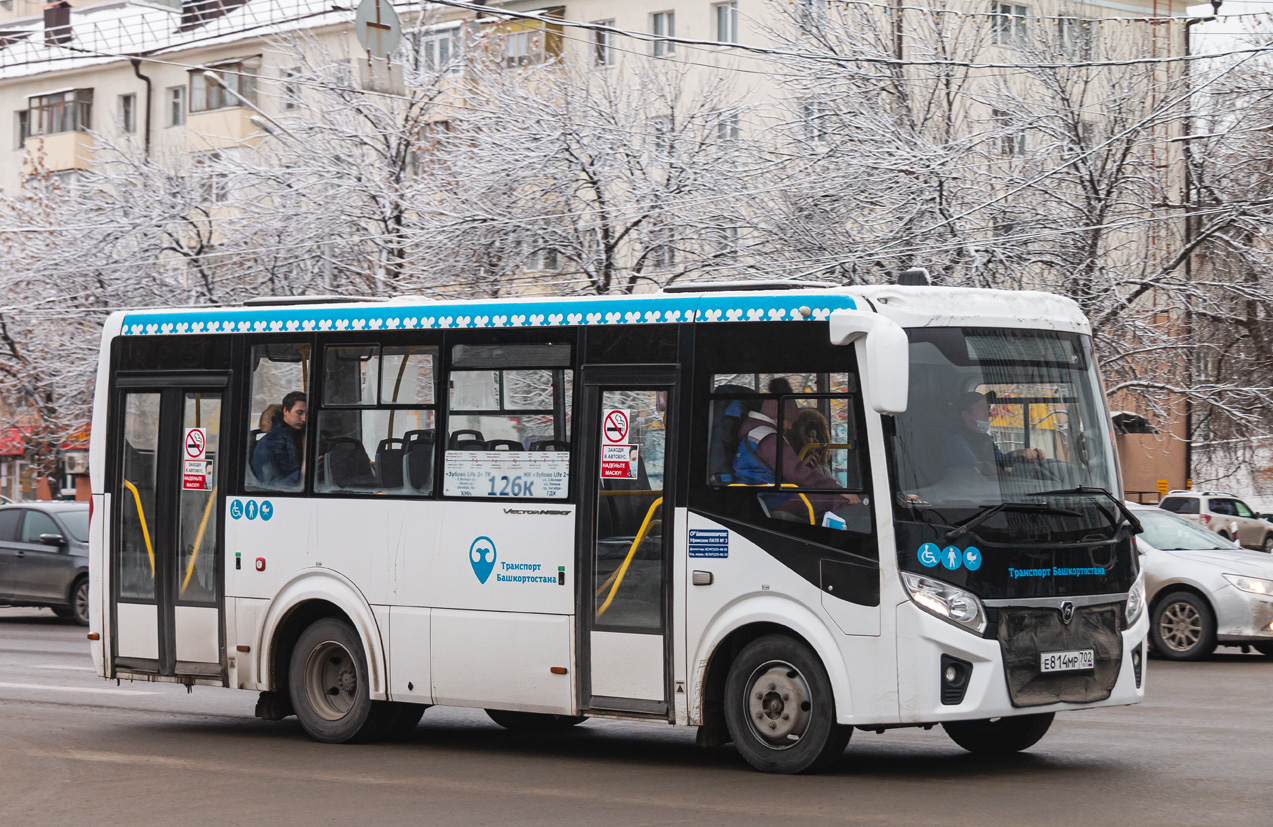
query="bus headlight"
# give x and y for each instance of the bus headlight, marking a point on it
(1254, 585)
(946, 601)
(1136, 599)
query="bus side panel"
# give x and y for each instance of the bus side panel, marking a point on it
(502, 660)
(99, 584)
(409, 653)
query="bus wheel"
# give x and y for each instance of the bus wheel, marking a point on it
(533, 721)
(1000, 736)
(780, 709)
(329, 687)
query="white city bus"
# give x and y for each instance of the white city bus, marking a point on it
(775, 514)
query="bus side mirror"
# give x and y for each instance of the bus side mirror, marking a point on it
(886, 370)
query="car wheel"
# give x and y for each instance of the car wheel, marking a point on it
(1225, 535)
(1267, 545)
(329, 686)
(780, 709)
(1265, 649)
(999, 736)
(79, 601)
(533, 721)
(1183, 627)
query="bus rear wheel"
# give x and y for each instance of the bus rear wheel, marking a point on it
(1000, 736)
(329, 686)
(780, 708)
(533, 721)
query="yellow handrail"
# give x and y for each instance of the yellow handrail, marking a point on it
(613, 574)
(809, 505)
(636, 543)
(145, 532)
(198, 540)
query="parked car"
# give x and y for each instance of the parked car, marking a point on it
(1224, 514)
(44, 557)
(1203, 590)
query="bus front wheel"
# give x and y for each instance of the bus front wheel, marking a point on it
(329, 687)
(780, 708)
(999, 736)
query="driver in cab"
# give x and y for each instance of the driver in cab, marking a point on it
(971, 443)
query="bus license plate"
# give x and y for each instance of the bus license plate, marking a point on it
(1067, 661)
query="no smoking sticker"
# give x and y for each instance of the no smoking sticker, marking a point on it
(614, 426)
(196, 443)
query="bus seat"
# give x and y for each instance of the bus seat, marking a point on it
(467, 445)
(390, 454)
(347, 465)
(419, 459)
(464, 435)
(504, 445)
(550, 445)
(727, 417)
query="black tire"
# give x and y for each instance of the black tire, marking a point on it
(1000, 736)
(328, 683)
(773, 731)
(79, 601)
(533, 721)
(400, 719)
(1265, 649)
(1267, 545)
(1183, 627)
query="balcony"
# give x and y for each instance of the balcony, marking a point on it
(63, 151)
(220, 129)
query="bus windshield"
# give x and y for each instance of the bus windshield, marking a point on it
(999, 415)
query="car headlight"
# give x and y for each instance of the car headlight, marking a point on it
(1254, 585)
(1136, 599)
(946, 601)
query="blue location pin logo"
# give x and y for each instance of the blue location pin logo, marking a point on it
(482, 558)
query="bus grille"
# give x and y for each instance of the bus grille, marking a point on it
(1026, 633)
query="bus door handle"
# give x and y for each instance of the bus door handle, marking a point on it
(701, 578)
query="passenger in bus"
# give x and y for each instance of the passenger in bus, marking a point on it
(971, 443)
(810, 436)
(760, 450)
(279, 457)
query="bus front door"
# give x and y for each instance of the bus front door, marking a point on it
(166, 544)
(626, 539)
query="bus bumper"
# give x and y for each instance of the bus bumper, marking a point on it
(922, 640)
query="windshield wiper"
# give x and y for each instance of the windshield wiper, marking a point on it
(1137, 528)
(959, 531)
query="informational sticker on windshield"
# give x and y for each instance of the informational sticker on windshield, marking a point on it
(527, 475)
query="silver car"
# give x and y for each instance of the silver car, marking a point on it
(44, 557)
(1203, 591)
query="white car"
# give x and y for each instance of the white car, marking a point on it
(1203, 591)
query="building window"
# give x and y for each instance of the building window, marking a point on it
(439, 50)
(175, 105)
(662, 254)
(1076, 37)
(727, 128)
(1011, 139)
(663, 25)
(291, 89)
(545, 260)
(725, 22)
(69, 111)
(22, 127)
(661, 126)
(207, 95)
(603, 44)
(814, 116)
(722, 242)
(1010, 24)
(128, 114)
(210, 177)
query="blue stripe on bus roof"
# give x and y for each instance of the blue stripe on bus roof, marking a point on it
(657, 309)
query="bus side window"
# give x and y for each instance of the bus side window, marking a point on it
(785, 447)
(376, 425)
(508, 399)
(277, 415)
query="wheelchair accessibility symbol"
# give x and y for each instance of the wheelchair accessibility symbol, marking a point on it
(236, 509)
(929, 555)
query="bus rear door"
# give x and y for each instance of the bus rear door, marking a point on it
(167, 606)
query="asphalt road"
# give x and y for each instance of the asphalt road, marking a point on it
(77, 750)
